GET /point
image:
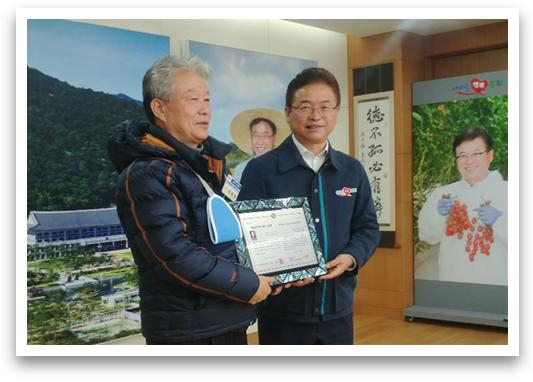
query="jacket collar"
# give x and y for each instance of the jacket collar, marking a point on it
(132, 140)
(289, 156)
(492, 179)
(199, 160)
(211, 146)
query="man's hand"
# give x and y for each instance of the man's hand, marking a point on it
(263, 290)
(444, 206)
(299, 283)
(488, 214)
(338, 266)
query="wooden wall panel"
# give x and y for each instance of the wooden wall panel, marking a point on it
(485, 37)
(412, 71)
(374, 50)
(388, 277)
(351, 120)
(383, 272)
(380, 297)
(479, 62)
(404, 184)
(379, 302)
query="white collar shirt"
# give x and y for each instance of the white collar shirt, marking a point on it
(314, 161)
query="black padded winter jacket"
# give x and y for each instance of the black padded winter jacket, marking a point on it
(189, 288)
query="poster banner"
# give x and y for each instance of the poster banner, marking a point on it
(454, 188)
(473, 86)
(460, 192)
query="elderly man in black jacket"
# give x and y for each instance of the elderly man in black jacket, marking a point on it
(192, 291)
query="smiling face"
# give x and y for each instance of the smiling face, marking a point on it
(312, 129)
(186, 115)
(473, 160)
(262, 138)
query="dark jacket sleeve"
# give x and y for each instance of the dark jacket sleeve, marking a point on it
(364, 228)
(161, 229)
(252, 183)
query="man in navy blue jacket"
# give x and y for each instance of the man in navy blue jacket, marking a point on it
(338, 192)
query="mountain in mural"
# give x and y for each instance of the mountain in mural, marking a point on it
(128, 98)
(68, 129)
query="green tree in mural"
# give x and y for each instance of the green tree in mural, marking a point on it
(68, 128)
(235, 156)
(434, 129)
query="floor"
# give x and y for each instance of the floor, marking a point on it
(383, 331)
(375, 330)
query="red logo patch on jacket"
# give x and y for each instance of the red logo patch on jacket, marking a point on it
(346, 192)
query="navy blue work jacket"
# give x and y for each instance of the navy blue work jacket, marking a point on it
(343, 211)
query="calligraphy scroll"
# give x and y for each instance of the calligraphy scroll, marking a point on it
(374, 116)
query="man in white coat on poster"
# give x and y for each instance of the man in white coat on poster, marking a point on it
(469, 217)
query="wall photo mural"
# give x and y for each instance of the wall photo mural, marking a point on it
(246, 85)
(82, 81)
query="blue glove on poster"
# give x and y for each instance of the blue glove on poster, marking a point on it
(444, 206)
(488, 214)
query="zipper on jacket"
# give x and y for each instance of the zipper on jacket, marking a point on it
(324, 234)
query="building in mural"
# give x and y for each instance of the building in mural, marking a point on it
(97, 228)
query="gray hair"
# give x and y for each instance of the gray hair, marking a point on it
(158, 82)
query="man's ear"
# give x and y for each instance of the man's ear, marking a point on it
(287, 111)
(490, 153)
(158, 108)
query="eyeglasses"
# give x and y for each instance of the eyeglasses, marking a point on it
(307, 110)
(474, 156)
(258, 137)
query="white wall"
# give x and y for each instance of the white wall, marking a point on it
(266, 36)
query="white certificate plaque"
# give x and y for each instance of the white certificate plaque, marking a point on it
(279, 239)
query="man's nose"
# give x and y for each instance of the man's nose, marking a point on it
(205, 109)
(315, 113)
(470, 159)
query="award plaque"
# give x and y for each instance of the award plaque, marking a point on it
(279, 239)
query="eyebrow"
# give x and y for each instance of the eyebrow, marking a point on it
(320, 102)
(189, 91)
(468, 152)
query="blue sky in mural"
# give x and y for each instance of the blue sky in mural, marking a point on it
(105, 59)
(244, 80)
